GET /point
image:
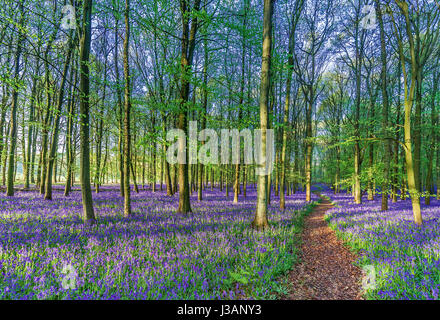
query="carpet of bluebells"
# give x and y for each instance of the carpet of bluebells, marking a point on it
(46, 252)
(406, 258)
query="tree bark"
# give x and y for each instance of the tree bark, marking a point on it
(70, 156)
(187, 52)
(408, 104)
(86, 191)
(14, 107)
(260, 220)
(120, 107)
(54, 142)
(385, 110)
(127, 109)
(432, 138)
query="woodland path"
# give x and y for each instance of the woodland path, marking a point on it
(326, 270)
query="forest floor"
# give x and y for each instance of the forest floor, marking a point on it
(326, 270)
(45, 248)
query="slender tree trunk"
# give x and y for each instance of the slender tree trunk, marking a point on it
(385, 111)
(429, 175)
(260, 221)
(4, 131)
(167, 166)
(396, 144)
(309, 146)
(203, 118)
(240, 104)
(438, 161)
(14, 107)
(408, 103)
(127, 109)
(31, 128)
(47, 118)
(100, 128)
(34, 149)
(175, 179)
(120, 108)
(153, 154)
(86, 191)
(286, 117)
(70, 156)
(417, 130)
(54, 143)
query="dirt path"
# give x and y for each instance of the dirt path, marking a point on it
(326, 271)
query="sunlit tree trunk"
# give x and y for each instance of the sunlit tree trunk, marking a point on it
(127, 110)
(260, 221)
(357, 149)
(409, 89)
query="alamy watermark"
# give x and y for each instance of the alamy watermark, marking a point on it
(69, 280)
(369, 20)
(369, 278)
(69, 19)
(208, 153)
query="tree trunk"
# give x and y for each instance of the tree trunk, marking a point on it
(260, 221)
(286, 117)
(70, 156)
(54, 142)
(203, 119)
(120, 108)
(385, 111)
(408, 103)
(86, 191)
(127, 107)
(187, 52)
(30, 130)
(432, 147)
(14, 107)
(309, 146)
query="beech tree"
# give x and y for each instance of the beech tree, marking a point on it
(84, 107)
(260, 221)
(13, 125)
